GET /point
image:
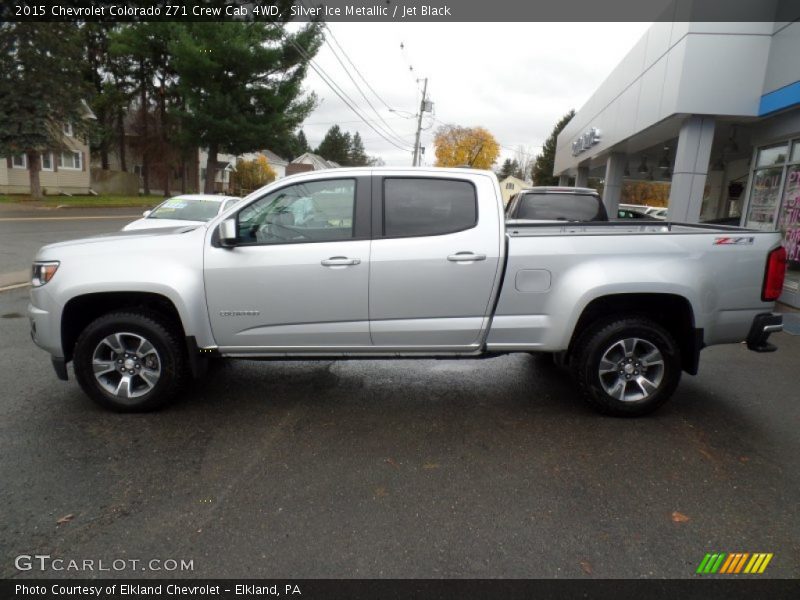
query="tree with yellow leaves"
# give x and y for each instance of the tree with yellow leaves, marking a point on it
(465, 147)
(251, 175)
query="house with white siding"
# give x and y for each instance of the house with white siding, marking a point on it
(60, 172)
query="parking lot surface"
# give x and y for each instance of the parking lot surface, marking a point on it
(480, 468)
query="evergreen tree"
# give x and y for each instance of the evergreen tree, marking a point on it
(242, 84)
(302, 143)
(543, 167)
(335, 146)
(296, 145)
(357, 155)
(41, 90)
(506, 169)
(144, 48)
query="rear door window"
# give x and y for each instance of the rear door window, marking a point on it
(426, 206)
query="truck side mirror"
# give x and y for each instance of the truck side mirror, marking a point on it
(227, 232)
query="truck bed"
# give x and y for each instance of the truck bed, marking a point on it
(554, 271)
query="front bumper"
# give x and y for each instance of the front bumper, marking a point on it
(764, 325)
(41, 335)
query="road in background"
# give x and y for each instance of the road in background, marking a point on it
(416, 468)
(23, 231)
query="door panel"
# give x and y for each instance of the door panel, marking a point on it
(298, 277)
(433, 290)
(299, 301)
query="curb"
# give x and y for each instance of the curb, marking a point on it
(14, 279)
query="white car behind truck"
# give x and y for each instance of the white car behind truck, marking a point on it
(387, 262)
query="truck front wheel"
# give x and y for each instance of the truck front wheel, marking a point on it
(627, 367)
(129, 361)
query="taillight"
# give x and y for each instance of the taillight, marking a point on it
(774, 275)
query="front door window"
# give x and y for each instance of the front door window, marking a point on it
(316, 211)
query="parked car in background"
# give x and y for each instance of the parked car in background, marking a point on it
(642, 208)
(626, 213)
(546, 203)
(188, 209)
(657, 212)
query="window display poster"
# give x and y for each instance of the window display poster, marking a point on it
(764, 199)
(790, 222)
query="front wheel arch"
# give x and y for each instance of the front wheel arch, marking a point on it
(81, 310)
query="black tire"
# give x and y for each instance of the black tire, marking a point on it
(640, 386)
(164, 365)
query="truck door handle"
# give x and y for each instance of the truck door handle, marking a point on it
(340, 261)
(466, 257)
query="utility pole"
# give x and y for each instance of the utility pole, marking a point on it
(416, 160)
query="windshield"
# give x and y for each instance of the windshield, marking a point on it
(185, 209)
(560, 207)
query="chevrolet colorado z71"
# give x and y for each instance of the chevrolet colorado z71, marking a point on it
(401, 262)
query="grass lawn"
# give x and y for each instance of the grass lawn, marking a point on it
(84, 201)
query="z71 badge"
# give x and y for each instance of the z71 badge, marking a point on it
(733, 241)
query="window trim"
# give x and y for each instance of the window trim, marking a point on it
(73, 152)
(68, 130)
(52, 162)
(379, 203)
(361, 216)
(24, 164)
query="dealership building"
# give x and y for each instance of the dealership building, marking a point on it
(714, 110)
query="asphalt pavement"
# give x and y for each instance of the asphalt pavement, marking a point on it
(426, 469)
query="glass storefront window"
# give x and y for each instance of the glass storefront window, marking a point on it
(774, 205)
(764, 196)
(773, 155)
(795, 152)
(790, 226)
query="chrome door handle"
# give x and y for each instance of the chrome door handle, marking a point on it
(340, 261)
(466, 257)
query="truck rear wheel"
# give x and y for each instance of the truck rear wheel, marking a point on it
(627, 367)
(129, 361)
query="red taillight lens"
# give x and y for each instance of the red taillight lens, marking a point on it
(774, 275)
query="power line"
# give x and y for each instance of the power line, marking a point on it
(351, 122)
(334, 86)
(387, 129)
(333, 37)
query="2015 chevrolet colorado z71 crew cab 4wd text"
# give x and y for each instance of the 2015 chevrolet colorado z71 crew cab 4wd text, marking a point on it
(401, 262)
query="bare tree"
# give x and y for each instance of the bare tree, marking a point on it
(525, 157)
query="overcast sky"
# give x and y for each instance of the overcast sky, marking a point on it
(514, 79)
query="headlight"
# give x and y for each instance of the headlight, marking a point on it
(42, 272)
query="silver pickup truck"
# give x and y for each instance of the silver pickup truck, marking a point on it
(401, 262)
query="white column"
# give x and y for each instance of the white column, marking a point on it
(690, 169)
(563, 180)
(582, 179)
(612, 190)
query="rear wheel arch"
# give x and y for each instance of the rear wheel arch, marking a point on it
(673, 312)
